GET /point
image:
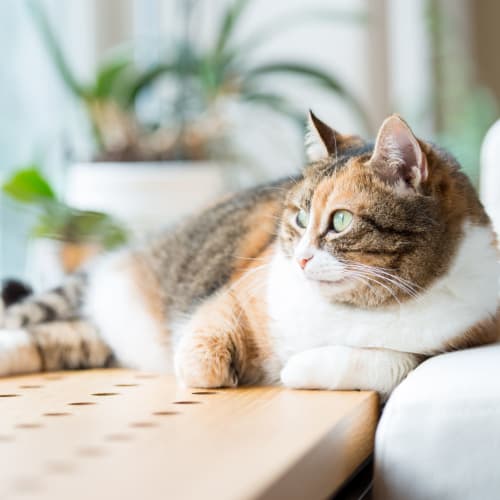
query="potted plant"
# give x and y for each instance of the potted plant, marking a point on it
(129, 175)
(63, 237)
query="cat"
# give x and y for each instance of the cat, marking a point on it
(345, 277)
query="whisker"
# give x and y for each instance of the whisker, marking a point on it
(403, 284)
(382, 279)
(257, 287)
(370, 278)
(402, 280)
(381, 270)
(393, 280)
(362, 280)
(246, 275)
(404, 288)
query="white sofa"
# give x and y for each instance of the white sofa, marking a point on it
(439, 435)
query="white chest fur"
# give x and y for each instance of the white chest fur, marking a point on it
(302, 319)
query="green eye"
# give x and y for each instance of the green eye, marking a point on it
(341, 220)
(302, 219)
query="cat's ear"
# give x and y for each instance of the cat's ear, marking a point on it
(398, 156)
(322, 140)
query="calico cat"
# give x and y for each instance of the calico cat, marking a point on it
(346, 277)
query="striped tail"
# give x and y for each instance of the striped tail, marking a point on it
(59, 345)
(19, 309)
(44, 332)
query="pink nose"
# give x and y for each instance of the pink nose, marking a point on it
(303, 262)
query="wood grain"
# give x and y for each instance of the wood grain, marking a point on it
(128, 435)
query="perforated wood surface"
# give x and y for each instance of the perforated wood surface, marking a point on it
(124, 434)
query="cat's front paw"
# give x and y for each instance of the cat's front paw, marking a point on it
(300, 371)
(205, 361)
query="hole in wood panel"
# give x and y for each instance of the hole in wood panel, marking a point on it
(105, 394)
(203, 393)
(59, 467)
(56, 414)
(27, 484)
(126, 385)
(82, 403)
(9, 395)
(30, 386)
(119, 437)
(165, 413)
(91, 451)
(143, 424)
(29, 425)
(186, 402)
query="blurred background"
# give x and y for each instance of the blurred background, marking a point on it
(120, 116)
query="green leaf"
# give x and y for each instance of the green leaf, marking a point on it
(144, 78)
(60, 222)
(107, 77)
(322, 78)
(52, 221)
(54, 48)
(28, 186)
(229, 22)
(57, 220)
(211, 75)
(86, 226)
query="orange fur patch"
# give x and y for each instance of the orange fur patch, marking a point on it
(485, 332)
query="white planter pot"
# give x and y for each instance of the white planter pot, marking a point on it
(145, 196)
(490, 175)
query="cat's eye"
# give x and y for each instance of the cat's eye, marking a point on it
(341, 220)
(302, 218)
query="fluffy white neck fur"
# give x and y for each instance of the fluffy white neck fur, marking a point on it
(302, 319)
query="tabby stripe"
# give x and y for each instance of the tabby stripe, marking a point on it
(71, 293)
(41, 353)
(370, 252)
(61, 304)
(401, 251)
(110, 361)
(62, 292)
(28, 313)
(388, 229)
(49, 312)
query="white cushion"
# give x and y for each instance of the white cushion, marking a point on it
(439, 435)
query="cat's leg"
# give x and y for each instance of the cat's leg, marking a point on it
(52, 346)
(211, 350)
(348, 368)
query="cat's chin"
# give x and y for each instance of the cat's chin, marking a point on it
(332, 282)
(332, 288)
(331, 285)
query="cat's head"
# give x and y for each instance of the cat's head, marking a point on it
(370, 225)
